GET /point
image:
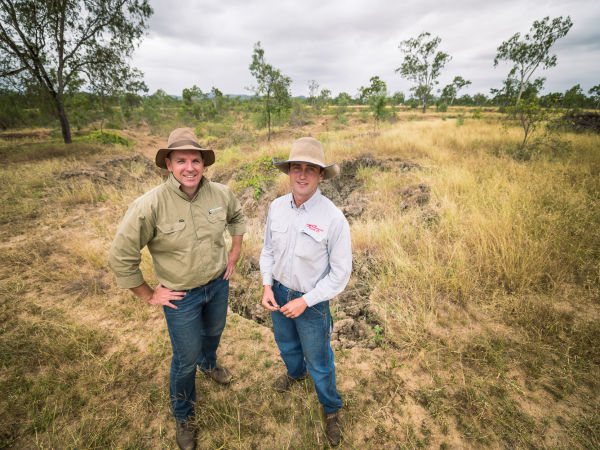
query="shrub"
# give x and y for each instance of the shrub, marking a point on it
(413, 103)
(442, 107)
(107, 138)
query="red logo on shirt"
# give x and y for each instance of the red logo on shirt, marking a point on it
(313, 228)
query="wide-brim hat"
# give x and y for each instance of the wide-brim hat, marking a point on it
(183, 139)
(308, 150)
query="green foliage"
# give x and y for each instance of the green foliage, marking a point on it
(271, 85)
(533, 50)
(106, 137)
(422, 64)
(69, 42)
(450, 91)
(413, 103)
(397, 98)
(375, 96)
(257, 175)
(595, 95)
(479, 99)
(200, 106)
(343, 99)
(574, 98)
(529, 115)
(377, 334)
(442, 107)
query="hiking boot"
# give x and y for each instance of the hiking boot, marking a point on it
(284, 382)
(333, 430)
(185, 435)
(220, 374)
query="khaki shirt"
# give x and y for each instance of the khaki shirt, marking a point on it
(185, 237)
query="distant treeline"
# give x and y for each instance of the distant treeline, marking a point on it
(32, 109)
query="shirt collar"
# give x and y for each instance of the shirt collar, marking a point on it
(175, 186)
(308, 204)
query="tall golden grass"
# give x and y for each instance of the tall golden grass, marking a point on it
(487, 295)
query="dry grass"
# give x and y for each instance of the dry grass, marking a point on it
(487, 292)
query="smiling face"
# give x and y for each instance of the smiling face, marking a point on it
(187, 166)
(304, 179)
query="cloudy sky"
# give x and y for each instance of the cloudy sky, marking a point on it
(343, 43)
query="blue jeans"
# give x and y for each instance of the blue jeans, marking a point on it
(195, 329)
(304, 343)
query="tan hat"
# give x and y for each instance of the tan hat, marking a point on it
(183, 139)
(308, 150)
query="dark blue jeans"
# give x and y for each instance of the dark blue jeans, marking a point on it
(304, 342)
(195, 329)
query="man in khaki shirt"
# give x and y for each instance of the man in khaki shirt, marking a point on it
(182, 223)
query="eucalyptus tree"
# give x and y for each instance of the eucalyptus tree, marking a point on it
(595, 95)
(271, 85)
(574, 98)
(313, 90)
(450, 91)
(422, 64)
(376, 96)
(55, 44)
(532, 51)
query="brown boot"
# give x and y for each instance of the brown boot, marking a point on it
(185, 435)
(333, 430)
(284, 381)
(220, 374)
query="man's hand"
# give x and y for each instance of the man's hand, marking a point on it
(294, 308)
(161, 296)
(234, 255)
(268, 300)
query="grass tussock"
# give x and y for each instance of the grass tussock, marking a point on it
(477, 277)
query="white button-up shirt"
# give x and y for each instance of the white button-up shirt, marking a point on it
(307, 249)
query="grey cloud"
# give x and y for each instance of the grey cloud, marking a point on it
(342, 44)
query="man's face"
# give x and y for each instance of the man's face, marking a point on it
(187, 167)
(304, 179)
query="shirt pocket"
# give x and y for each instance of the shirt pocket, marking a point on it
(279, 237)
(170, 228)
(217, 222)
(217, 215)
(312, 247)
(169, 236)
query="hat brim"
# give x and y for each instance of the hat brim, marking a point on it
(208, 156)
(330, 171)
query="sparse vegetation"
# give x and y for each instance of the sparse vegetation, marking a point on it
(471, 319)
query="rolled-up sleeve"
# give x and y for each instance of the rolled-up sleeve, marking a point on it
(124, 256)
(236, 222)
(339, 247)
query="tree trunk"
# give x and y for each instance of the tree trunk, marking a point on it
(521, 89)
(64, 121)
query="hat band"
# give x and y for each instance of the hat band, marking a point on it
(184, 142)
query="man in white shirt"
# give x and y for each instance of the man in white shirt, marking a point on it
(306, 261)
